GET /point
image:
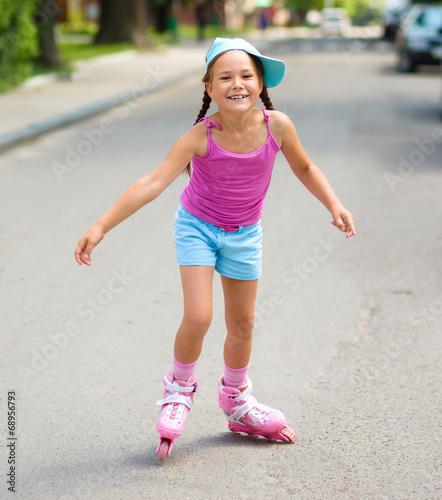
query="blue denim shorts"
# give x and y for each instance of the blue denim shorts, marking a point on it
(236, 254)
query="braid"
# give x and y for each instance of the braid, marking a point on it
(206, 105)
(264, 95)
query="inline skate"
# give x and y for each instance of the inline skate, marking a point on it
(175, 406)
(245, 414)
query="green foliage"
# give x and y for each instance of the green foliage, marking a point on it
(18, 41)
(355, 8)
(78, 24)
(72, 52)
(303, 6)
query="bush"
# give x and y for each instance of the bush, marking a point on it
(18, 41)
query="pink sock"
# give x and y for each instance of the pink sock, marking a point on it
(235, 377)
(183, 371)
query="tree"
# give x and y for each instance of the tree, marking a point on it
(159, 12)
(18, 41)
(123, 21)
(45, 19)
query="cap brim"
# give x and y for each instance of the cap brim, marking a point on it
(274, 71)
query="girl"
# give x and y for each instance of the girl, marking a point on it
(217, 227)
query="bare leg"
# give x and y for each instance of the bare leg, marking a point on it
(197, 292)
(239, 301)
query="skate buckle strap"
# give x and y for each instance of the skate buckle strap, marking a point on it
(175, 388)
(249, 402)
(175, 398)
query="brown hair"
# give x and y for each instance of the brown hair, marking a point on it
(264, 95)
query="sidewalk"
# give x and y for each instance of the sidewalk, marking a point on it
(96, 85)
(39, 106)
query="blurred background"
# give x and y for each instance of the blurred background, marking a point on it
(40, 36)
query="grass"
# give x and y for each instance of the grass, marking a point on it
(75, 51)
(74, 46)
(72, 52)
(190, 32)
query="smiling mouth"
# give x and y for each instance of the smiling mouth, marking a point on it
(238, 97)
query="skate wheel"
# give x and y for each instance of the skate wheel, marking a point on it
(289, 434)
(163, 449)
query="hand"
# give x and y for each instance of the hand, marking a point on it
(87, 243)
(343, 220)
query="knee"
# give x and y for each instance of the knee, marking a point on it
(241, 328)
(198, 322)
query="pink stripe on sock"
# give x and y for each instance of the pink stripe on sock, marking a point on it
(183, 371)
(235, 377)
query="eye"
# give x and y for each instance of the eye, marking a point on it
(225, 78)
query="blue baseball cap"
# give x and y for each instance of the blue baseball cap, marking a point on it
(274, 69)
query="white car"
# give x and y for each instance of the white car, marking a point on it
(334, 22)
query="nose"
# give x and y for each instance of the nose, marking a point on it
(237, 82)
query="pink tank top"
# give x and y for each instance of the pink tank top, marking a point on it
(228, 189)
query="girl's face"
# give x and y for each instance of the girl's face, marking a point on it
(235, 83)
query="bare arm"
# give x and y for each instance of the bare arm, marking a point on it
(140, 193)
(311, 176)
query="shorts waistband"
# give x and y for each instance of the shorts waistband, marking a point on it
(230, 229)
(225, 229)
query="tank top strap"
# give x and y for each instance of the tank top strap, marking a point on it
(269, 130)
(209, 124)
(267, 118)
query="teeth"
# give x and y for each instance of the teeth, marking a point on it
(238, 97)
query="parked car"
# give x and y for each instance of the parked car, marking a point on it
(419, 38)
(334, 22)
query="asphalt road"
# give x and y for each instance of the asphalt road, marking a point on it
(347, 339)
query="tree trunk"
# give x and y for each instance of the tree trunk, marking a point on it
(139, 26)
(45, 19)
(123, 21)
